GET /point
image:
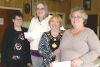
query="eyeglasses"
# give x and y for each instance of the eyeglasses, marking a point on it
(18, 19)
(76, 17)
(40, 8)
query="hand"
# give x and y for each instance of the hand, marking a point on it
(29, 64)
(52, 63)
(30, 39)
(56, 52)
(76, 62)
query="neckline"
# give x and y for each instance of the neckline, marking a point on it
(54, 38)
(81, 32)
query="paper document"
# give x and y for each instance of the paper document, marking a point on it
(62, 64)
(32, 34)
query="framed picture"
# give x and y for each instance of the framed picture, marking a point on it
(87, 4)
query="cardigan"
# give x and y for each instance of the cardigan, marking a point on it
(15, 46)
(48, 44)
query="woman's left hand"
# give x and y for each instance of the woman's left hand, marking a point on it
(76, 62)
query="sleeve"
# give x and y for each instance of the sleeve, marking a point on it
(62, 43)
(31, 25)
(28, 56)
(44, 48)
(27, 48)
(94, 48)
(4, 56)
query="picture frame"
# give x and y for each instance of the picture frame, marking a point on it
(87, 4)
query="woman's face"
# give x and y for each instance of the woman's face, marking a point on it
(40, 10)
(54, 24)
(18, 21)
(77, 19)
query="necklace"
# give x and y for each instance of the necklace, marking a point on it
(54, 39)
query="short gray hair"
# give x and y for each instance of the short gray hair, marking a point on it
(81, 10)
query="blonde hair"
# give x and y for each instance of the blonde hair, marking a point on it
(58, 19)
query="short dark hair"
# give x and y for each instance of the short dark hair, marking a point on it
(16, 13)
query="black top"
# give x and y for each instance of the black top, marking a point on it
(15, 46)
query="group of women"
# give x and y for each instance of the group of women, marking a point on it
(79, 44)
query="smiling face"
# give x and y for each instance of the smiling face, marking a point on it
(40, 10)
(17, 21)
(55, 24)
(77, 19)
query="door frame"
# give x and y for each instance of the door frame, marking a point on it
(10, 8)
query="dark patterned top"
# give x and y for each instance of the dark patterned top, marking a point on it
(15, 46)
(47, 45)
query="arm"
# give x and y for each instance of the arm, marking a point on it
(94, 48)
(27, 50)
(31, 25)
(62, 43)
(30, 39)
(44, 48)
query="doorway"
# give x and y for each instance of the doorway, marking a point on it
(92, 22)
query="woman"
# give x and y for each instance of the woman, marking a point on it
(50, 41)
(80, 45)
(16, 49)
(38, 25)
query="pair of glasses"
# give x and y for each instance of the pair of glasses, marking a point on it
(18, 19)
(76, 17)
(40, 8)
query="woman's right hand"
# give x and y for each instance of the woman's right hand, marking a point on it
(30, 39)
(76, 62)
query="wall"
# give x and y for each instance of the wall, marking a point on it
(58, 6)
(95, 9)
(16, 4)
(53, 5)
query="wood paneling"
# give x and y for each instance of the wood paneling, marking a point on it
(17, 4)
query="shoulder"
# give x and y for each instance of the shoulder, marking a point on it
(46, 33)
(34, 19)
(67, 31)
(48, 17)
(90, 31)
(9, 29)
